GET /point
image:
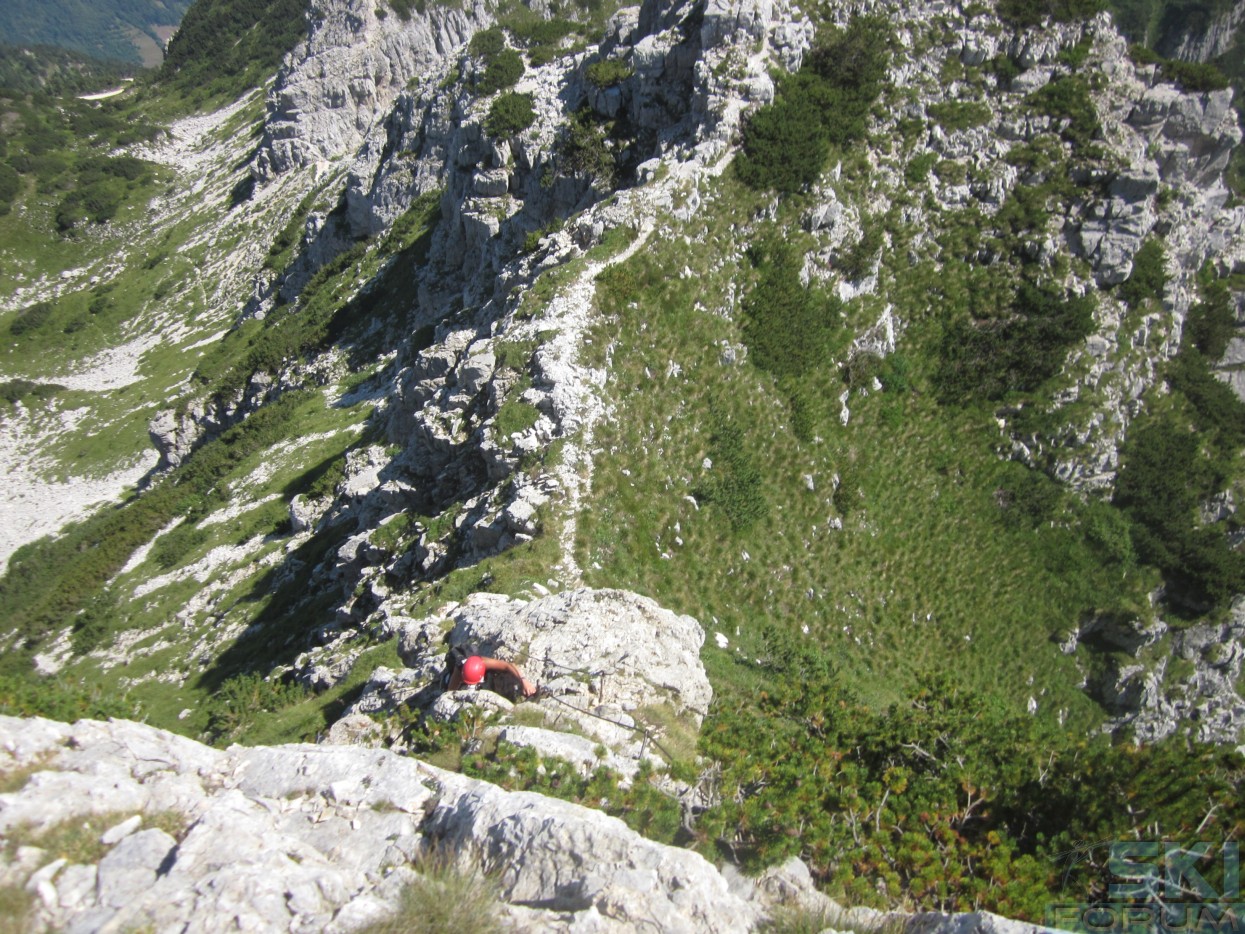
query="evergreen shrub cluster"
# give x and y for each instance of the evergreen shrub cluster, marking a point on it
(1181, 455)
(949, 801)
(1148, 277)
(1026, 13)
(31, 318)
(223, 47)
(503, 70)
(509, 115)
(1067, 98)
(960, 115)
(991, 358)
(10, 185)
(734, 484)
(1196, 77)
(240, 700)
(826, 103)
(791, 331)
(13, 391)
(583, 148)
(608, 72)
(103, 184)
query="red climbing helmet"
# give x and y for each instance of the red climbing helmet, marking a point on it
(473, 670)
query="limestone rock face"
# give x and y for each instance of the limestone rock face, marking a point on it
(1204, 703)
(307, 838)
(1215, 38)
(631, 651)
(342, 79)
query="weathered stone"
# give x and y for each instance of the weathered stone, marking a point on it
(129, 870)
(634, 652)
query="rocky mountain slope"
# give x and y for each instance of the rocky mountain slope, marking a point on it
(459, 333)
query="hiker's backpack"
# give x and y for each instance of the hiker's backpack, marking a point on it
(454, 657)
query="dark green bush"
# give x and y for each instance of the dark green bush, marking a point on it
(171, 547)
(1163, 478)
(1108, 532)
(10, 185)
(826, 103)
(784, 145)
(1149, 277)
(1004, 68)
(13, 391)
(541, 37)
(1217, 412)
(1211, 322)
(608, 72)
(917, 169)
(734, 484)
(876, 802)
(1068, 98)
(1197, 77)
(1032, 12)
(862, 369)
(1028, 498)
(1077, 55)
(31, 318)
(582, 147)
(790, 330)
(97, 203)
(404, 8)
(991, 358)
(960, 115)
(487, 43)
(856, 261)
(1143, 55)
(503, 71)
(238, 702)
(510, 115)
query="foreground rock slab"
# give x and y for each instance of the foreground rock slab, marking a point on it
(172, 835)
(310, 838)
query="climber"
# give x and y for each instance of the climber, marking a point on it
(492, 673)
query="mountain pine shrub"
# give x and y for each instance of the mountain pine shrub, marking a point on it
(1149, 276)
(989, 359)
(504, 69)
(608, 72)
(826, 103)
(949, 800)
(510, 115)
(1025, 13)
(1067, 98)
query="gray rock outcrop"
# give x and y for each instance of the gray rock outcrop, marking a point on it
(633, 651)
(307, 838)
(1157, 680)
(1204, 40)
(616, 673)
(342, 79)
(326, 838)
